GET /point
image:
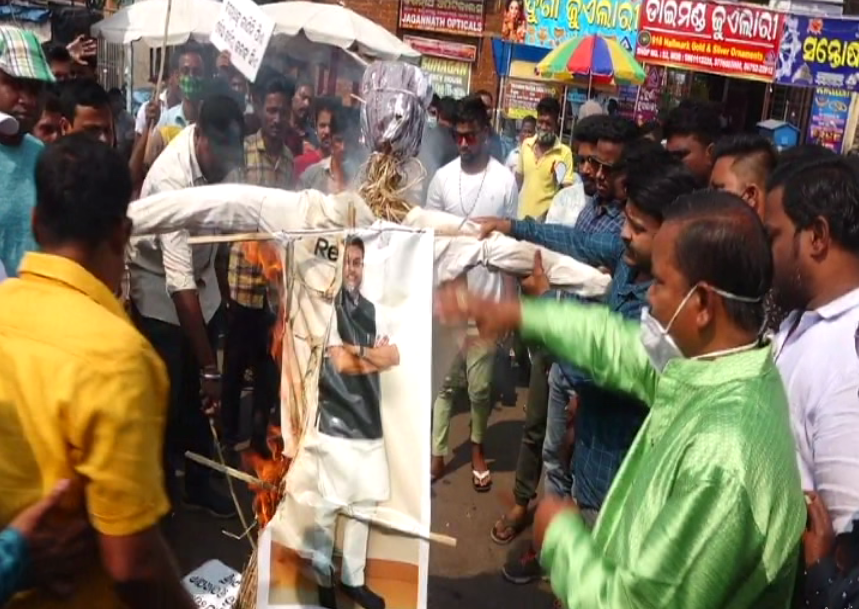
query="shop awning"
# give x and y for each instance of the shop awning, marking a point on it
(506, 53)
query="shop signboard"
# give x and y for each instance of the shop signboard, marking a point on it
(818, 52)
(522, 96)
(736, 40)
(449, 78)
(459, 17)
(828, 120)
(442, 48)
(548, 23)
(649, 95)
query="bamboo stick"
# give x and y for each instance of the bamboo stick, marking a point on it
(230, 471)
(444, 540)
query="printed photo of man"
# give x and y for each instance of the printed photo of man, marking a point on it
(353, 465)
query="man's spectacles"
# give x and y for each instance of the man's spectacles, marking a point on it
(599, 165)
(468, 138)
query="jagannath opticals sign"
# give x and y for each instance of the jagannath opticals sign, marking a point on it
(460, 17)
(729, 39)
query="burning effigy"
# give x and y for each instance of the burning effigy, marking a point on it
(345, 494)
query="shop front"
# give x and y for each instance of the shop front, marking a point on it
(449, 34)
(724, 53)
(819, 63)
(532, 28)
(448, 64)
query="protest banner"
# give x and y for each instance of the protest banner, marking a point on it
(213, 585)
(243, 30)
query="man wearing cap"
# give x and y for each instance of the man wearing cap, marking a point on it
(23, 74)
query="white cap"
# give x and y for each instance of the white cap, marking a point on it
(8, 124)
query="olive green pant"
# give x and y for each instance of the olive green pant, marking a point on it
(472, 371)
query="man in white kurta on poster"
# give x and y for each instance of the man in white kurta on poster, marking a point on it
(353, 464)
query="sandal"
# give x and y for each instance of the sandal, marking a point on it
(506, 530)
(481, 481)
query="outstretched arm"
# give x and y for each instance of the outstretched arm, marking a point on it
(593, 338)
(347, 359)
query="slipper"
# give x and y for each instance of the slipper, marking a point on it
(510, 530)
(481, 481)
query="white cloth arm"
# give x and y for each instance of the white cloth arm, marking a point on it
(244, 208)
(457, 254)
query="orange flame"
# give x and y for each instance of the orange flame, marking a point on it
(270, 470)
(266, 256)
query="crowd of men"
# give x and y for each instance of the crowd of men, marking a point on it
(694, 426)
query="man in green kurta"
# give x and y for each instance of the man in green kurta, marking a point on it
(706, 510)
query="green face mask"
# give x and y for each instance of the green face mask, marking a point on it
(191, 87)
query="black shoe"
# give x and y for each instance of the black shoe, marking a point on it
(523, 565)
(364, 597)
(207, 500)
(327, 597)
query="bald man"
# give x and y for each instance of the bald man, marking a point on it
(742, 164)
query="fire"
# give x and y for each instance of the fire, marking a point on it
(271, 470)
(266, 255)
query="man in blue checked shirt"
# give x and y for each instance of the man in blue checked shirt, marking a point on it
(606, 422)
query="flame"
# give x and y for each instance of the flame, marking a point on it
(266, 255)
(271, 469)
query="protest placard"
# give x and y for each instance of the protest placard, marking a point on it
(213, 585)
(243, 30)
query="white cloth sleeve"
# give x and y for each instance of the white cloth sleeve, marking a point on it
(178, 262)
(832, 430)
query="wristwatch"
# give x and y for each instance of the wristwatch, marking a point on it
(361, 351)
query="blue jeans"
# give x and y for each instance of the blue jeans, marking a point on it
(558, 479)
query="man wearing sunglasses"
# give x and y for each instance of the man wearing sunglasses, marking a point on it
(474, 185)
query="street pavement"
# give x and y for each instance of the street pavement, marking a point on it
(468, 576)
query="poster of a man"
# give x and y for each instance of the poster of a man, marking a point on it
(350, 530)
(349, 421)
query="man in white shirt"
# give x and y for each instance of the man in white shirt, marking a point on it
(811, 214)
(473, 186)
(175, 291)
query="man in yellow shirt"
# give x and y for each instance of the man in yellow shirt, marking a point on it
(545, 164)
(83, 395)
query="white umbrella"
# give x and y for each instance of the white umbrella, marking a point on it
(337, 26)
(145, 21)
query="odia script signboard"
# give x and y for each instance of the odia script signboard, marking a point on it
(729, 39)
(243, 30)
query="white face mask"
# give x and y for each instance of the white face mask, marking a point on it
(432, 121)
(658, 342)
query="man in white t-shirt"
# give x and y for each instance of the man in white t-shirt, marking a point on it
(473, 186)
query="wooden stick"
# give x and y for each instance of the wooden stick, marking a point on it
(201, 239)
(444, 540)
(230, 471)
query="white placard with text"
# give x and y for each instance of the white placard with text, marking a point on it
(214, 585)
(243, 30)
